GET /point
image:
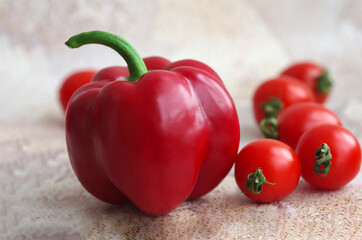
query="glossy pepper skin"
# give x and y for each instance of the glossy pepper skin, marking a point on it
(156, 138)
(120, 72)
(80, 78)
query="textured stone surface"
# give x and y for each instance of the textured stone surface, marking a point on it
(244, 41)
(42, 199)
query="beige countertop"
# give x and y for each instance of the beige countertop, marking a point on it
(244, 41)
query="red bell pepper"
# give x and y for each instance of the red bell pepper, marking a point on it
(120, 72)
(155, 138)
(80, 78)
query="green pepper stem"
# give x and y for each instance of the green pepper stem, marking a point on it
(269, 127)
(134, 61)
(255, 181)
(322, 165)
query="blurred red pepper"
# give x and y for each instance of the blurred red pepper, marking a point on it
(156, 138)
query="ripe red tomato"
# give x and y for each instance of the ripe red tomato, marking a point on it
(276, 94)
(330, 156)
(267, 170)
(315, 76)
(72, 83)
(295, 120)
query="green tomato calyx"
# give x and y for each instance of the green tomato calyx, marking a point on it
(322, 165)
(272, 107)
(255, 182)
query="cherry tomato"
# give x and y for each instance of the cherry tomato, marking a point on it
(276, 94)
(330, 156)
(315, 76)
(295, 120)
(267, 170)
(72, 83)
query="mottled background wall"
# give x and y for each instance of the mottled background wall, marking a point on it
(244, 41)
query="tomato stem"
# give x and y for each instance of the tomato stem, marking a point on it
(134, 61)
(272, 107)
(255, 182)
(322, 164)
(324, 83)
(269, 127)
